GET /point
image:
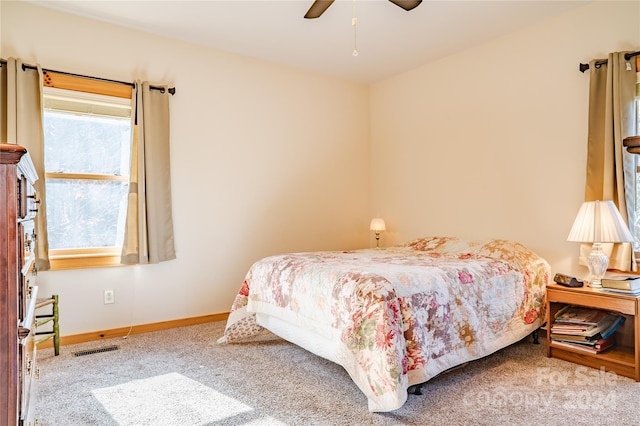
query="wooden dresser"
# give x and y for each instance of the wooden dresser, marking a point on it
(18, 208)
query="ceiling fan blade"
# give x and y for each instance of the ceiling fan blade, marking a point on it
(317, 8)
(406, 4)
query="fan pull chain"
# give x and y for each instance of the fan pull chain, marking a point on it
(354, 24)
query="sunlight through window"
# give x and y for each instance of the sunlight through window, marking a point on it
(173, 399)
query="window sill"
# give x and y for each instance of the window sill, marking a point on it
(82, 259)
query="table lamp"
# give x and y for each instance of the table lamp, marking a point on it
(599, 222)
(377, 226)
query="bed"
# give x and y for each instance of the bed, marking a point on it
(399, 316)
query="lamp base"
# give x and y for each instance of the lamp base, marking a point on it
(597, 262)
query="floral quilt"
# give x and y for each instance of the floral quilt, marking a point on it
(400, 315)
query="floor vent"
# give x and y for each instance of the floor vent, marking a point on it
(95, 351)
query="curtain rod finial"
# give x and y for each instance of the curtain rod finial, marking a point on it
(584, 67)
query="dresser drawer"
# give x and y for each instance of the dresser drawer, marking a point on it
(26, 253)
(26, 288)
(27, 359)
(27, 198)
(29, 374)
(27, 242)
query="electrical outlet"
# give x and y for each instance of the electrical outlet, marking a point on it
(108, 297)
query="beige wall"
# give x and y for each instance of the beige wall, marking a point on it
(254, 172)
(491, 142)
(486, 143)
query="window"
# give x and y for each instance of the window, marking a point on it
(635, 229)
(87, 146)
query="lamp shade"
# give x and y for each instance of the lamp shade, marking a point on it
(377, 224)
(599, 222)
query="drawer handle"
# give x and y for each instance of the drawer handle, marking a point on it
(35, 201)
(27, 242)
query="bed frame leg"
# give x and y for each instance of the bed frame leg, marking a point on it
(415, 389)
(535, 337)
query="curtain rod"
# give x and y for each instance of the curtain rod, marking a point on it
(627, 56)
(171, 90)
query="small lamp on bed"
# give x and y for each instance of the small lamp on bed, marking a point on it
(599, 222)
(377, 226)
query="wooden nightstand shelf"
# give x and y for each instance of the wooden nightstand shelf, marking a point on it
(624, 357)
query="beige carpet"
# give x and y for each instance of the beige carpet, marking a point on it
(182, 377)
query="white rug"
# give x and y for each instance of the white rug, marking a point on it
(170, 399)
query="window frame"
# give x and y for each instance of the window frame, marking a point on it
(98, 257)
(632, 226)
(636, 243)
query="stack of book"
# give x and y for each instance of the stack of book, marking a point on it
(586, 329)
(625, 284)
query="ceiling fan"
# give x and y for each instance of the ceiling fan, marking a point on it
(319, 6)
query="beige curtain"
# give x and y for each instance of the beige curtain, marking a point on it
(149, 224)
(21, 119)
(610, 168)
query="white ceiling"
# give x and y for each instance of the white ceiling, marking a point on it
(389, 39)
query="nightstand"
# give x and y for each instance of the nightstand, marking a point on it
(624, 357)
